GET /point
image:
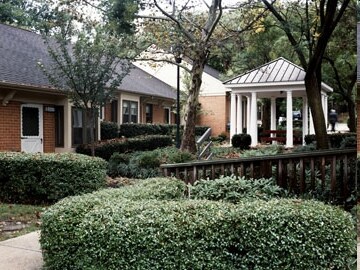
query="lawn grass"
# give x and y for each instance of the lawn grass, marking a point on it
(25, 217)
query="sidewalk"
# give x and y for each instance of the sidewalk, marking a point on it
(21, 253)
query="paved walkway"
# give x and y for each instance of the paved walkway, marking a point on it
(21, 253)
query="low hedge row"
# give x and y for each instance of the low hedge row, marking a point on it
(110, 130)
(46, 178)
(152, 226)
(337, 140)
(106, 149)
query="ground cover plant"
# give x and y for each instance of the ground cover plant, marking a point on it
(153, 225)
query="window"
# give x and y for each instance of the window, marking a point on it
(59, 126)
(149, 113)
(79, 134)
(167, 116)
(130, 111)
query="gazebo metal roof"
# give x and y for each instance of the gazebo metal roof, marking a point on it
(279, 70)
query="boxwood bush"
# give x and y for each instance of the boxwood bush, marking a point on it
(46, 178)
(109, 130)
(106, 149)
(335, 139)
(128, 228)
(135, 130)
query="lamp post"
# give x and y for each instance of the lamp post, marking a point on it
(177, 51)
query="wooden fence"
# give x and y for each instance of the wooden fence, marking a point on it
(332, 170)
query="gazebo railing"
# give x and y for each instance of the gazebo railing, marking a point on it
(332, 170)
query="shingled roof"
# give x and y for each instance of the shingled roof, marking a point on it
(21, 50)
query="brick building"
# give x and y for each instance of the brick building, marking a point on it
(36, 117)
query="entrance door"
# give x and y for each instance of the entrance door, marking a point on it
(32, 128)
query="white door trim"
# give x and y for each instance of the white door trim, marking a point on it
(32, 143)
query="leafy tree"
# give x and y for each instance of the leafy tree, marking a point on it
(26, 13)
(88, 71)
(340, 62)
(309, 40)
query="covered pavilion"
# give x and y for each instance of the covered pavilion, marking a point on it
(277, 79)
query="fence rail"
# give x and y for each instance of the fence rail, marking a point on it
(333, 170)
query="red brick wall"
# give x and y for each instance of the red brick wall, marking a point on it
(49, 132)
(213, 113)
(10, 127)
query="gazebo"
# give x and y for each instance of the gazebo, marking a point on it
(277, 79)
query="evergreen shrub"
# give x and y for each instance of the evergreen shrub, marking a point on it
(241, 141)
(106, 149)
(47, 178)
(109, 130)
(151, 225)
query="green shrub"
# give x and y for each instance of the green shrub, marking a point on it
(335, 139)
(46, 178)
(265, 151)
(109, 130)
(135, 130)
(106, 149)
(145, 164)
(120, 229)
(241, 141)
(233, 189)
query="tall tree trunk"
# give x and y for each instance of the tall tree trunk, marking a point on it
(188, 139)
(352, 115)
(313, 93)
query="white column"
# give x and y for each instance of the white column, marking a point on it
(289, 120)
(239, 115)
(273, 114)
(311, 123)
(232, 115)
(248, 113)
(326, 109)
(253, 120)
(305, 118)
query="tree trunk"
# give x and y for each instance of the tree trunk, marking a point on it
(313, 93)
(352, 115)
(266, 115)
(188, 139)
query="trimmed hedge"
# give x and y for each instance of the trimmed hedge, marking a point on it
(46, 178)
(138, 227)
(241, 141)
(109, 130)
(336, 139)
(135, 130)
(106, 149)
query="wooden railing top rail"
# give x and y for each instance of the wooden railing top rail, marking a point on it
(310, 154)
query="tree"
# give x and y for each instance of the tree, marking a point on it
(314, 34)
(88, 71)
(340, 63)
(199, 33)
(26, 13)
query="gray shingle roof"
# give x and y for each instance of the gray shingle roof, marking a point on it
(279, 70)
(21, 50)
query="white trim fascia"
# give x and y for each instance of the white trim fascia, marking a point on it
(263, 85)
